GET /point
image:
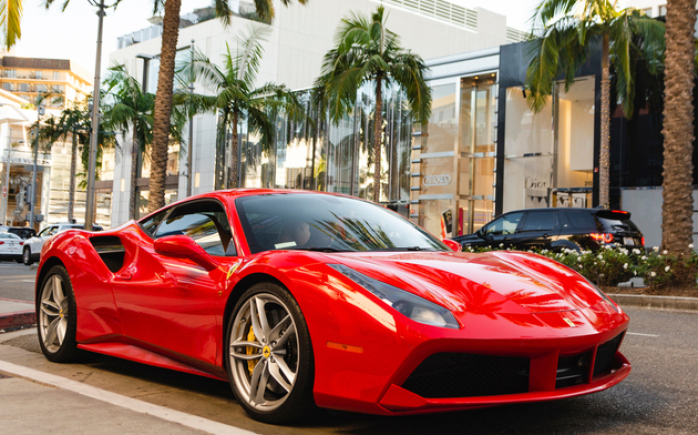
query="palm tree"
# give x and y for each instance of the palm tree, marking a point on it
(678, 131)
(236, 96)
(130, 108)
(570, 30)
(72, 123)
(367, 52)
(10, 18)
(164, 98)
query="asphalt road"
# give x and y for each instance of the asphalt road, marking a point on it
(659, 397)
(17, 281)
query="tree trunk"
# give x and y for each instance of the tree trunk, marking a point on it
(163, 105)
(73, 171)
(677, 211)
(377, 130)
(133, 200)
(605, 151)
(234, 154)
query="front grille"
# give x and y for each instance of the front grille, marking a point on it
(572, 370)
(444, 375)
(604, 356)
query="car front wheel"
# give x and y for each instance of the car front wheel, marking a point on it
(27, 256)
(270, 358)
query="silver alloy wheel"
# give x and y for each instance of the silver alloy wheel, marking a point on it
(53, 317)
(264, 352)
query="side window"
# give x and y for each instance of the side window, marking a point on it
(204, 222)
(539, 221)
(150, 225)
(504, 225)
(52, 231)
(44, 232)
(582, 220)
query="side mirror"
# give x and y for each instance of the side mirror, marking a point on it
(185, 247)
(487, 236)
(455, 246)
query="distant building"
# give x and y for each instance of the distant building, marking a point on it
(30, 77)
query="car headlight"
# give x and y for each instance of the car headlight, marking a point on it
(418, 309)
(604, 296)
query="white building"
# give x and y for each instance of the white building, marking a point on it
(301, 35)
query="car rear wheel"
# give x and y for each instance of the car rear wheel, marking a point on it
(57, 317)
(27, 256)
(270, 358)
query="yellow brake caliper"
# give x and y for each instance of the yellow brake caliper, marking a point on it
(251, 351)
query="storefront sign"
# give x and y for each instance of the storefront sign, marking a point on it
(25, 161)
(437, 180)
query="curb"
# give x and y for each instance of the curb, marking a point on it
(14, 320)
(661, 302)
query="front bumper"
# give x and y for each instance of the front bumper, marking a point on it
(376, 381)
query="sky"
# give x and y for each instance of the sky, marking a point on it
(72, 34)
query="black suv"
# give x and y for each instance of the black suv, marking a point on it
(557, 228)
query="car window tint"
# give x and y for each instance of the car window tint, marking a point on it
(539, 221)
(150, 225)
(504, 225)
(582, 220)
(206, 223)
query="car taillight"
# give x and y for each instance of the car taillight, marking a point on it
(21, 243)
(642, 240)
(602, 237)
(2, 243)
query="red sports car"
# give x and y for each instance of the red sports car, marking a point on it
(304, 299)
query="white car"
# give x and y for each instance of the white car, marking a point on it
(11, 247)
(32, 246)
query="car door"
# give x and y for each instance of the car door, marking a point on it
(538, 230)
(500, 232)
(171, 302)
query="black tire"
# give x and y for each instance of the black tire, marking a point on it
(27, 256)
(65, 350)
(298, 403)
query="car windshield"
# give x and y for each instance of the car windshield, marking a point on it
(327, 223)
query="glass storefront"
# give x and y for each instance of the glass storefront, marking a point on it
(550, 153)
(454, 157)
(315, 154)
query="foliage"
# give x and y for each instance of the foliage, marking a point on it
(571, 30)
(10, 17)
(235, 94)
(611, 266)
(365, 50)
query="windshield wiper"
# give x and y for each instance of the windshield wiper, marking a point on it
(321, 250)
(404, 248)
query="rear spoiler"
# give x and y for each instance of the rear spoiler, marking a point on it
(613, 214)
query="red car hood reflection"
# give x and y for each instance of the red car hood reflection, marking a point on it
(497, 282)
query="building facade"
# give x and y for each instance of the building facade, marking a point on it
(29, 78)
(306, 155)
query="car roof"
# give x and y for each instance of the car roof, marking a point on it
(232, 194)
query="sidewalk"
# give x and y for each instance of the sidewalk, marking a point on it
(16, 313)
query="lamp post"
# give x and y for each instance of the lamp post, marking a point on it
(135, 151)
(94, 138)
(190, 154)
(6, 184)
(32, 202)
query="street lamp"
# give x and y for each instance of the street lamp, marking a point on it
(190, 154)
(32, 202)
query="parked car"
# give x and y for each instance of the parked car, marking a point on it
(304, 299)
(10, 247)
(555, 229)
(24, 233)
(32, 247)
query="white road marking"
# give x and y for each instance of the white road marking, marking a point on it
(188, 420)
(29, 280)
(644, 335)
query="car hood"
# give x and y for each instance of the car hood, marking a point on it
(495, 282)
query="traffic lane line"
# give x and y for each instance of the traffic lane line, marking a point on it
(167, 414)
(643, 335)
